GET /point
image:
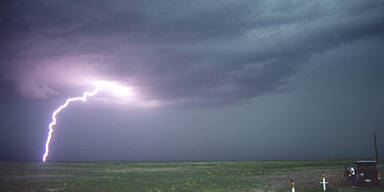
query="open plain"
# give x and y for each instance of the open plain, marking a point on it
(174, 176)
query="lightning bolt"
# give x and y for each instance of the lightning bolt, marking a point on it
(58, 110)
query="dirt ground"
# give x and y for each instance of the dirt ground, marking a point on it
(304, 180)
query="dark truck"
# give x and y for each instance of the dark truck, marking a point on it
(367, 172)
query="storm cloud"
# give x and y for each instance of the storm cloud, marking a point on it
(252, 68)
(186, 52)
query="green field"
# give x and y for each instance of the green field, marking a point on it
(173, 176)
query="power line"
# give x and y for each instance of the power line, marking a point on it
(262, 25)
(248, 30)
(282, 48)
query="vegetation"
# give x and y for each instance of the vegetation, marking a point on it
(172, 176)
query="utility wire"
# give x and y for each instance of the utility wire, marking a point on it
(316, 90)
(248, 30)
(262, 25)
(282, 48)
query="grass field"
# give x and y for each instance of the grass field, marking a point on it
(173, 176)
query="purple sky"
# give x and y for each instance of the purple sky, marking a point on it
(233, 80)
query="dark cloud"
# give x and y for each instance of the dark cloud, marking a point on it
(173, 50)
(305, 73)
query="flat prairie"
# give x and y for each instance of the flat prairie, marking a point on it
(174, 176)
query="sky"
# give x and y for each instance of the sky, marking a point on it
(216, 80)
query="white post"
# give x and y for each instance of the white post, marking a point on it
(324, 182)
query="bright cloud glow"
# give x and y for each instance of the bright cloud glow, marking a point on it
(116, 89)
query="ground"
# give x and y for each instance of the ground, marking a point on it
(173, 176)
